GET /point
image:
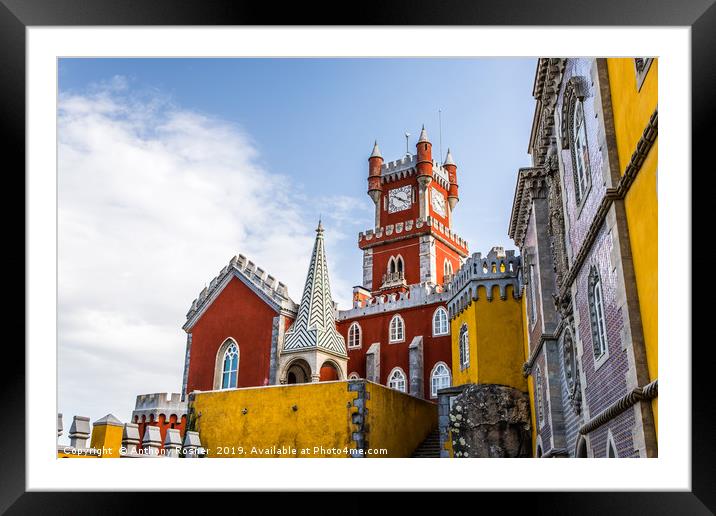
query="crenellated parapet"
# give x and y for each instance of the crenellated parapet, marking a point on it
(499, 268)
(407, 167)
(411, 228)
(417, 295)
(148, 407)
(255, 277)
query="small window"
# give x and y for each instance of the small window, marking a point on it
(230, 369)
(538, 395)
(533, 295)
(440, 322)
(397, 329)
(596, 309)
(611, 447)
(447, 270)
(354, 336)
(396, 380)
(354, 376)
(464, 343)
(440, 379)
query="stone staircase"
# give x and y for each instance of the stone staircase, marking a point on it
(430, 447)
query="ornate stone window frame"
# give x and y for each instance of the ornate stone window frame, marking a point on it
(571, 369)
(434, 376)
(445, 320)
(354, 329)
(539, 397)
(641, 68)
(597, 317)
(574, 95)
(464, 347)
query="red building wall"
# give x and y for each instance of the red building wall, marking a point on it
(238, 313)
(375, 328)
(441, 253)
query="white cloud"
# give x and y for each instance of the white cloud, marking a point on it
(153, 201)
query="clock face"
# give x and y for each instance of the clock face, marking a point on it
(437, 199)
(399, 199)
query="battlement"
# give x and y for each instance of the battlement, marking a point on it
(406, 167)
(151, 406)
(498, 268)
(258, 278)
(416, 295)
(371, 237)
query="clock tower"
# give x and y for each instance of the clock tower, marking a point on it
(412, 241)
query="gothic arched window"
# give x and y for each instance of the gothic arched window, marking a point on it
(464, 347)
(354, 335)
(580, 150)
(447, 269)
(439, 379)
(440, 322)
(596, 314)
(396, 379)
(230, 369)
(397, 329)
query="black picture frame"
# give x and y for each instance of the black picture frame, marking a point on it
(17, 15)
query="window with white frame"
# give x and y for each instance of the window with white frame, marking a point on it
(397, 329)
(447, 269)
(353, 376)
(580, 152)
(464, 343)
(396, 380)
(596, 312)
(230, 369)
(440, 322)
(439, 379)
(538, 395)
(354, 335)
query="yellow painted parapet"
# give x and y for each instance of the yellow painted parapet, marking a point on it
(326, 419)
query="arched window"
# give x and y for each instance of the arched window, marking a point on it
(464, 347)
(396, 379)
(395, 264)
(538, 396)
(447, 269)
(439, 379)
(611, 447)
(354, 335)
(353, 376)
(580, 153)
(397, 329)
(440, 322)
(596, 312)
(230, 369)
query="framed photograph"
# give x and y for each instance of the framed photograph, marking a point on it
(445, 239)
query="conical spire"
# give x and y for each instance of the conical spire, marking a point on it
(376, 151)
(423, 135)
(448, 158)
(315, 324)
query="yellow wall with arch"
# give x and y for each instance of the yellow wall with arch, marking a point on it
(632, 110)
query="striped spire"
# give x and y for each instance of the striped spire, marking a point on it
(315, 324)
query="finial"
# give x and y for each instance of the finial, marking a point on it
(319, 229)
(423, 135)
(376, 151)
(407, 143)
(448, 158)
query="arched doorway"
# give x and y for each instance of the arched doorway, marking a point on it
(329, 372)
(298, 372)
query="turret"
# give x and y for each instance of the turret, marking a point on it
(425, 158)
(375, 162)
(451, 168)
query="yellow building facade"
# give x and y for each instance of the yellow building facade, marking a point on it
(634, 96)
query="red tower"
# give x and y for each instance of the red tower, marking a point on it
(413, 240)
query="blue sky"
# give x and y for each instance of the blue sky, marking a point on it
(168, 167)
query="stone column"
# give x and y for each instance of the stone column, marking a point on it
(372, 363)
(415, 364)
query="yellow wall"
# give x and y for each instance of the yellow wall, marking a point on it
(632, 111)
(108, 438)
(496, 341)
(395, 421)
(398, 422)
